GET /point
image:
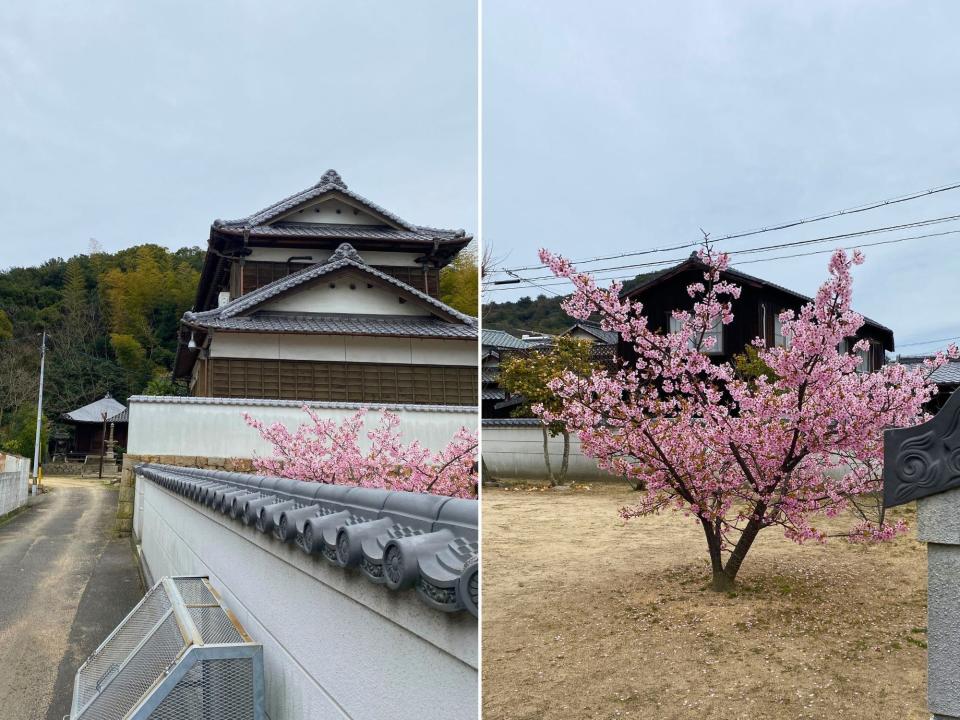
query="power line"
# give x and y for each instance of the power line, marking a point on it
(769, 259)
(928, 342)
(776, 246)
(771, 228)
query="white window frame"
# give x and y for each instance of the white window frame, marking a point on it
(780, 339)
(716, 331)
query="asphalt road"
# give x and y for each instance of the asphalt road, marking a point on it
(65, 583)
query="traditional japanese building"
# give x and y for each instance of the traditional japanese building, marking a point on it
(89, 423)
(325, 295)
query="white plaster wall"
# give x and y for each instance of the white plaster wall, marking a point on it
(517, 453)
(318, 296)
(335, 645)
(14, 482)
(344, 347)
(202, 426)
(371, 257)
(325, 211)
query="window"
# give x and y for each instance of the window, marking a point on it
(779, 338)
(864, 363)
(715, 331)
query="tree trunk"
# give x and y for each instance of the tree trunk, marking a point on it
(546, 457)
(725, 576)
(561, 479)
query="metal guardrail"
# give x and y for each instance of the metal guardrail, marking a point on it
(178, 655)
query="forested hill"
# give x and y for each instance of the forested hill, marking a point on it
(541, 314)
(111, 322)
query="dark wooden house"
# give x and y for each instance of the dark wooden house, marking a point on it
(755, 312)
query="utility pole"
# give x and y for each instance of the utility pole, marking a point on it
(36, 444)
(103, 443)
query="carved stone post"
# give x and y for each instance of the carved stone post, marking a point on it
(923, 464)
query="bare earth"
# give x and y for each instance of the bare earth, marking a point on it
(588, 616)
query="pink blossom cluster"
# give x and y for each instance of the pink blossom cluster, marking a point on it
(327, 452)
(742, 454)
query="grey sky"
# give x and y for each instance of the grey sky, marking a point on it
(134, 122)
(613, 127)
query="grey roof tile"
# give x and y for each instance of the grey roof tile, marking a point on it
(427, 543)
(345, 232)
(93, 412)
(344, 257)
(609, 337)
(331, 182)
(317, 323)
(493, 394)
(499, 338)
(510, 422)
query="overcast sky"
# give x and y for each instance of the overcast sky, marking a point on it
(613, 127)
(134, 122)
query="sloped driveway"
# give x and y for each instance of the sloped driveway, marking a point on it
(65, 582)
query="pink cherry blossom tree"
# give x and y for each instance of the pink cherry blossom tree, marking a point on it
(741, 454)
(329, 452)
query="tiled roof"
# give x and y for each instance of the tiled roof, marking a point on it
(948, 374)
(489, 375)
(404, 541)
(731, 274)
(331, 182)
(610, 337)
(93, 412)
(317, 323)
(344, 257)
(120, 417)
(510, 422)
(499, 338)
(492, 394)
(343, 232)
(319, 404)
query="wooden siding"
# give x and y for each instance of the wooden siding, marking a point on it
(341, 381)
(257, 273)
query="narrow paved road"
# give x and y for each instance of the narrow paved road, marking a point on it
(65, 583)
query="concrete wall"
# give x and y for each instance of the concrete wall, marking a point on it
(516, 453)
(14, 482)
(214, 427)
(335, 645)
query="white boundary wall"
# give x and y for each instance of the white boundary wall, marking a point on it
(335, 645)
(214, 427)
(515, 452)
(14, 482)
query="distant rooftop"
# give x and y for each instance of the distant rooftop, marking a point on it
(93, 412)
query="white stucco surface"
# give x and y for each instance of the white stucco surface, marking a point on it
(371, 257)
(335, 645)
(344, 348)
(517, 453)
(333, 211)
(350, 294)
(14, 481)
(208, 428)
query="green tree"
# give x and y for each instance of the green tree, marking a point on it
(6, 326)
(22, 431)
(460, 283)
(527, 375)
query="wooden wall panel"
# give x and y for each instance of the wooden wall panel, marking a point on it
(341, 381)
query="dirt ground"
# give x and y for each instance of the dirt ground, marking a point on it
(588, 616)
